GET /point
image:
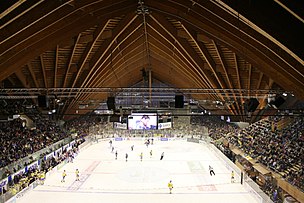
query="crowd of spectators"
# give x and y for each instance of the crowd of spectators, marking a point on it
(217, 128)
(83, 124)
(10, 107)
(281, 150)
(17, 141)
(24, 178)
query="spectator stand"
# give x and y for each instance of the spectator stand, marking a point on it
(280, 151)
(27, 178)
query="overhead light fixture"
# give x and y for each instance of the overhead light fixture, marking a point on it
(284, 94)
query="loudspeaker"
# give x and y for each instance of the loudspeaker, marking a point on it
(43, 101)
(253, 104)
(114, 118)
(111, 103)
(278, 102)
(179, 101)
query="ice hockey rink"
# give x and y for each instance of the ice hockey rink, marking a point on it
(105, 179)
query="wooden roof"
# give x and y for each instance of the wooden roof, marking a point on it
(201, 47)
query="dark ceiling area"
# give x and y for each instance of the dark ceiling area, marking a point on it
(282, 19)
(145, 52)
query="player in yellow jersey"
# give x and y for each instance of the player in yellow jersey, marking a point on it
(170, 186)
(77, 174)
(63, 176)
(232, 176)
(42, 177)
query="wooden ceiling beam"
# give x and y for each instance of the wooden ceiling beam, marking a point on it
(241, 110)
(163, 51)
(187, 50)
(48, 40)
(29, 66)
(260, 80)
(22, 78)
(249, 79)
(43, 71)
(204, 52)
(224, 66)
(172, 46)
(70, 61)
(105, 48)
(101, 52)
(64, 84)
(124, 32)
(105, 71)
(31, 17)
(88, 50)
(56, 66)
(202, 49)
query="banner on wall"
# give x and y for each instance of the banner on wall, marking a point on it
(3, 182)
(118, 125)
(19, 172)
(32, 165)
(164, 139)
(118, 138)
(165, 125)
(49, 155)
(58, 151)
(65, 146)
(72, 143)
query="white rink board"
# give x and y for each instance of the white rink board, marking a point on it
(104, 179)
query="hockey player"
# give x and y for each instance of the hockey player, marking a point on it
(162, 155)
(151, 153)
(141, 156)
(63, 176)
(232, 176)
(211, 170)
(127, 157)
(170, 186)
(77, 174)
(116, 155)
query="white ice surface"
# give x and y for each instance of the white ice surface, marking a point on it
(104, 179)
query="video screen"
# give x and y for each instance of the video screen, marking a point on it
(142, 121)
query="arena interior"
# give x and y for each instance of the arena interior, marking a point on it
(151, 101)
